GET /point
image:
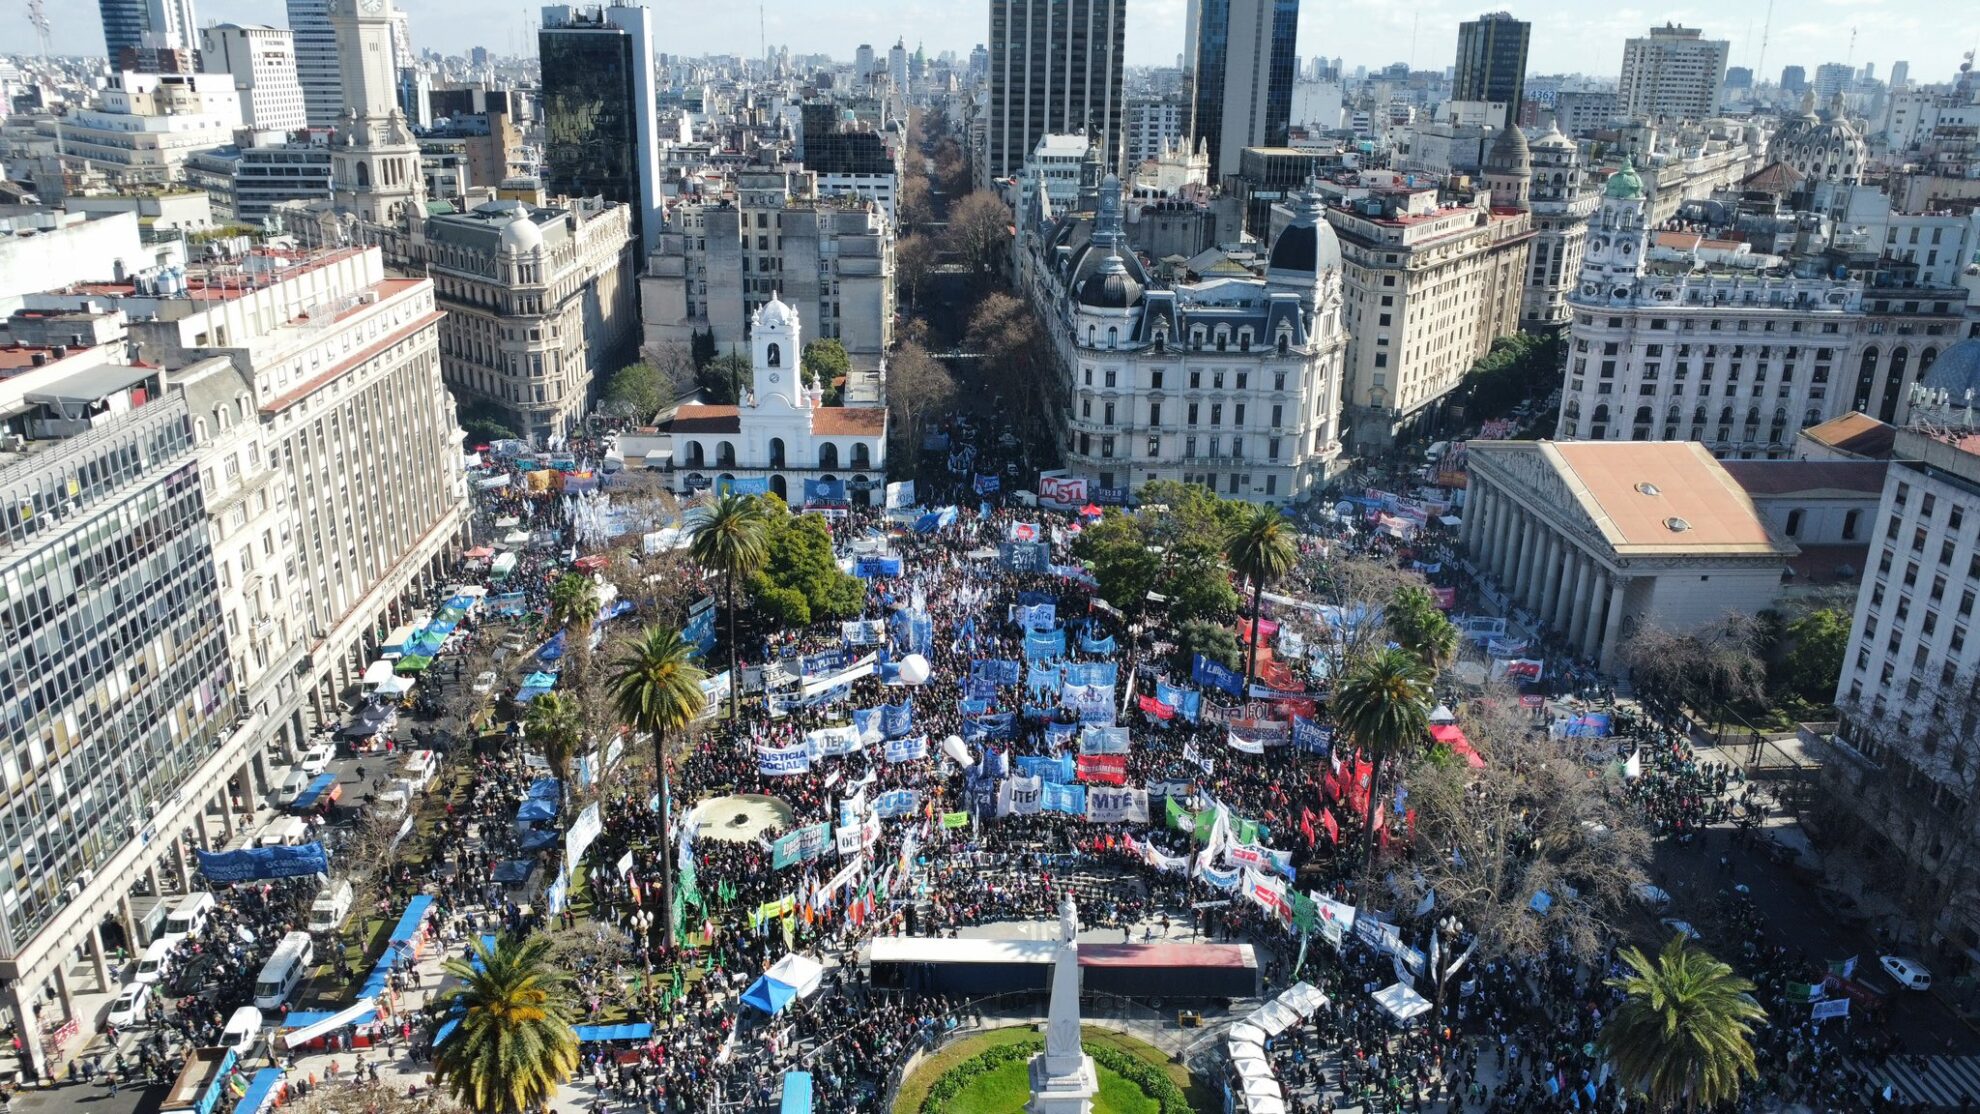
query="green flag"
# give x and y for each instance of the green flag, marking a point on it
(1305, 915)
(1247, 831)
(1206, 822)
(955, 820)
(1178, 819)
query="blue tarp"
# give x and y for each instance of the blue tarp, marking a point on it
(797, 1093)
(445, 1030)
(553, 649)
(539, 839)
(257, 863)
(536, 811)
(512, 872)
(545, 789)
(769, 995)
(262, 1088)
(400, 944)
(313, 792)
(637, 1032)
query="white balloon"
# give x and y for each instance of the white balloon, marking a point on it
(955, 748)
(914, 669)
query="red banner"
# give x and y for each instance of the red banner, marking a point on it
(1306, 826)
(1105, 769)
(1333, 828)
(1153, 707)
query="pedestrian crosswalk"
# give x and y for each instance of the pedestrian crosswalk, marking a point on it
(1945, 1081)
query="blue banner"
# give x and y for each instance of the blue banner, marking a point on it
(824, 664)
(1058, 769)
(1044, 645)
(869, 568)
(900, 802)
(970, 706)
(897, 720)
(1057, 735)
(1188, 703)
(783, 761)
(934, 520)
(1061, 797)
(1217, 675)
(866, 721)
(997, 725)
(749, 485)
(997, 671)
(1042, 680)
(1092, 673)
(1025, 556)
(1035, 616)
(1110, 496)
(1039, 713)
(257, 863)
(1090, 645)
(935, 442)
(1311, 737)
(824, 493)
(986, 485)
(907, 750)
(700, 631)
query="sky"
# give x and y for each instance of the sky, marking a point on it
(1569, 36)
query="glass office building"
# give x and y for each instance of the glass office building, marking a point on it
(1246, 54)
(598, 109)
(1491, 62)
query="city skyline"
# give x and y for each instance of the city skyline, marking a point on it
(1567, 38)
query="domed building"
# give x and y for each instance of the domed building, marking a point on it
(1231, 377)
(539, 301)
(1820, 149)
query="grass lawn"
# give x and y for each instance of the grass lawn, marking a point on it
(1008, 1089)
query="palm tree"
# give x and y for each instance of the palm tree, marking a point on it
(1421, 628)
(516, 1043)
(656, 688)
(1261, 550)
(555, 724)
(574, 605)
(1383, 705)
(728, 537)
(1681, 1034)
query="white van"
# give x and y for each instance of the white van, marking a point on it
(187, 917)
(283, 831)
(243, 1029)
(332, 905)
(292, 787)
(284, 971)
(156, 963)
(421, 766)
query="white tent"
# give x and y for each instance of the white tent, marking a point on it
(1442, 714)
(1245, 1031)
(1401, 1002)
(1246, 1050)
(378, 672)
(357, 1011)
(799, 972)
(394, 686)
(1261, 1104)
(1304, 997)
(1274, 1017)
(1256, 1088)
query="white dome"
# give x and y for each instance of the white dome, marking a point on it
(521, 235)
(775, 314)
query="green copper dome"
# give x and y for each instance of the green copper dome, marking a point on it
(1624, 185)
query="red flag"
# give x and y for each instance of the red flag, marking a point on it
(1306, 826)
(1153, 707)
(1333, 828)
(1333, 789)
(1410, 818)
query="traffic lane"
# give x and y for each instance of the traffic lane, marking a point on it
(1792, 916)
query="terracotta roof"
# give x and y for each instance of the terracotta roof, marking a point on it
(697, 418)
(1857, 433)
(849, 421)
(1775, 177)
(1808, 477)
(1662, 495)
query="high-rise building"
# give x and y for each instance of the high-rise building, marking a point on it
(1152, 125)
(1242, 95)
(1739, 77)
(1900, 75)
(1561, 205)
(1491, 62)
(540, 303)
(317, 68)
(136, 33)
(979, 63)
(262, 61)
(1793, 79)
(1055, 69)
(1192, 15)
(897, 65)
(1673, 73)
(1832, 78)
(599, 110)
(142, 127)
(863, 61)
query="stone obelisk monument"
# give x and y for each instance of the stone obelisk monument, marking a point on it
(1062, 1077)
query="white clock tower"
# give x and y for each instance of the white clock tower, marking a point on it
(374, 159)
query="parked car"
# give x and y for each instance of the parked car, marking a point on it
(484, 683)
(316, 759)
(243, 1029)
(1909, 973)
(132, 1004)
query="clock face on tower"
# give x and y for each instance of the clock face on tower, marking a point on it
(774, 379)
(372, 7)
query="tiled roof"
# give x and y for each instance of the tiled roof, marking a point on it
(1808, 477)
(1855, 432)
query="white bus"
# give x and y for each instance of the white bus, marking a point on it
(284, 971)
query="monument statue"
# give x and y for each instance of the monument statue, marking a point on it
(1063, 1080)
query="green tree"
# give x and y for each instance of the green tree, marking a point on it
(801, 567)
(554, 725)
(978, 233)
(1682, 1034)
(516, 1043)
(484, 423)
(657, 689)
(637, 392)
(1420, 627)
(1213, 640)
(1809, 669)
(1124, 565)
(723, 379)
(1383, 707)
(574, 605)
(825, 363)
(727, 536)
(1260, 551)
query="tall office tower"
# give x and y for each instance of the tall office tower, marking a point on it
(897, 65)
(1491, 62)
(1739, 77)
(1192, 15)
(262, 61)
(1055, 69)
(317, 68)
(979, 63)
(1244, 75)
(598, 109)
(374, 165)
(863, 61)
(146, 25)
(1832, 78)
(1674, 72)
(1900, 75)
(1793, 79)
